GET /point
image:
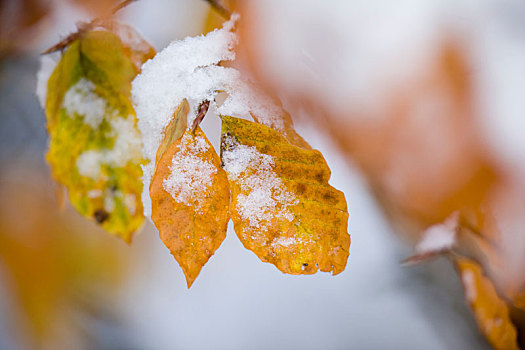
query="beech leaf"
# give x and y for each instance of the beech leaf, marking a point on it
(490, 311)
(95, 146)
(190, 195)
(282, 206)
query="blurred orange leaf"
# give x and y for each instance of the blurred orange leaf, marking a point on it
(490, 311)
(49, 259)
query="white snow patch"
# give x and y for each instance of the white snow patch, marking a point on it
(439, 237)
(109, 202)
(47, 66)
(469, 282)
(128, 144)
(127, 148)
(188, 69)
(130, 202)
(95, 193)
(267, 197)
(284, 242)
(190, 175)
(88, 163)
(81, 99)
(128, 199)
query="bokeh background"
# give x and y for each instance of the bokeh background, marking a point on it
(403, 100)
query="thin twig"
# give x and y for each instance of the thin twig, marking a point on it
(83, 27)
(121, 6)
(423, 257)
(220, 8)
(201, 113)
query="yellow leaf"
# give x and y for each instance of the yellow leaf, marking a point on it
(288, 130)
(190, 196)
(490, 311)
(282, 206)
(95, 146)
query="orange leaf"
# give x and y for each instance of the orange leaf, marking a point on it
(490, 311)
(190, 196)
(282, 207)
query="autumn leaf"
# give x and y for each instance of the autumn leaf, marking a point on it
(282, 206)
(95, 146)
(190, 195)
(51, 260)
(490, 311)
(519, 300)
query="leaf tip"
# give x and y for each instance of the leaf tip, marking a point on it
(190, 278)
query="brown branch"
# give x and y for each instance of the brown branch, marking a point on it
(83, 27)
(201, 113)
(220, 8)
(424, 257)
(121, 6)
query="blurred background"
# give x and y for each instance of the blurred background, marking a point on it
(418, 108)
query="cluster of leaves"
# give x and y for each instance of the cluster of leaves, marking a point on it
(301, 224)
(310, 236)
(300, 227)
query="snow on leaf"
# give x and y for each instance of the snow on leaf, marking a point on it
(282, 206)
(190, 198)
(189, 69)
(95, 146)
(186, 69)
(490, 310)
(190, 175)
(439, 237)
(267, 197)
(436, 240)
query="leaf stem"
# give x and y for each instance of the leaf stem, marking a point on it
(201, 113)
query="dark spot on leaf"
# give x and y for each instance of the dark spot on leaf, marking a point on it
(328, 196)
(101, 215)
(300, 188)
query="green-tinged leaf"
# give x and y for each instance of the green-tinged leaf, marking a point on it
(95, 146)
(190, 196)
(282, 206)
(105, 51)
